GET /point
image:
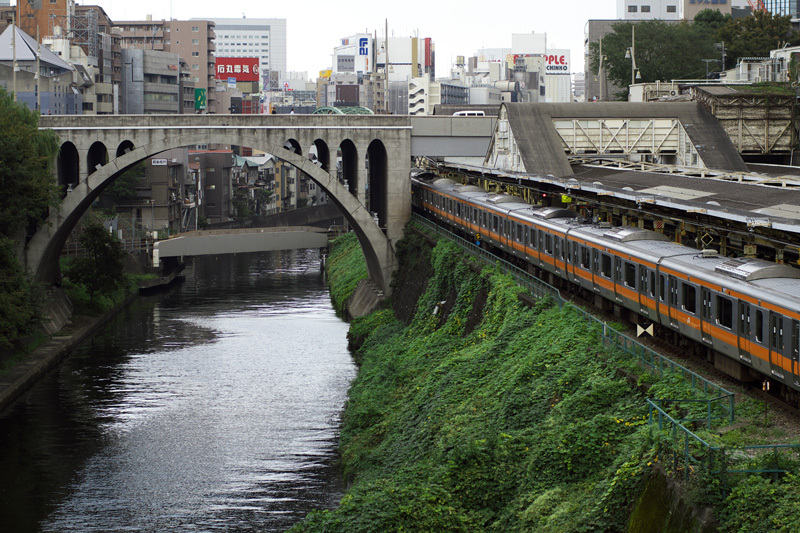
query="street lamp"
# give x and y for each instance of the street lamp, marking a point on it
(629, 54)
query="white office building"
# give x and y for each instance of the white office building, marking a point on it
(262, 38)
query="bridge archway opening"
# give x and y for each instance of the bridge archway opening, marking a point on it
(67, 168)
(347, 157)
(322, 154)
(293, 146)
(98, 155)
(124, 147)
(377, 163)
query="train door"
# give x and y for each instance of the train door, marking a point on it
(744, 330)
(672, 290)
(705, 315)
(776, 344)
(617, 278)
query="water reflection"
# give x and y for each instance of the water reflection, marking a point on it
(212, 407)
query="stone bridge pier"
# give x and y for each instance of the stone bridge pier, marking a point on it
(373, 152)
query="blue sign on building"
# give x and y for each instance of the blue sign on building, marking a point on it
(363, 46)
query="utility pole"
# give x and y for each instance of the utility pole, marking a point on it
(38, 76)
(14, 48)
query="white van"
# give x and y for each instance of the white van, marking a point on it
(469, 114)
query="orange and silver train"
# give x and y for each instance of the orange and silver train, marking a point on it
(742, 313)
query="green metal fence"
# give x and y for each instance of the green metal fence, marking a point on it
(685, 453)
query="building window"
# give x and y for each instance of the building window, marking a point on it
(195, 28)
(672, 9)
(631, 9)
(195, 54)
(195, 67)
(645, 9)
(195, 41)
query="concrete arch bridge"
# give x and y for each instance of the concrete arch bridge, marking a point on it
(374, 193)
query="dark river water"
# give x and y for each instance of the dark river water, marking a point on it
(211, 407)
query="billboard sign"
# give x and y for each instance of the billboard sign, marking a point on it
(240, 68)
(199, 98)
(557, 62)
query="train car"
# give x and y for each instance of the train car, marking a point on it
(742, 314)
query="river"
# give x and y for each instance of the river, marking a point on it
(211, 407)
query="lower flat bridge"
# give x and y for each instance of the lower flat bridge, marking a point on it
(235, 241)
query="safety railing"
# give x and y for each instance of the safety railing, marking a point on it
(685, 453)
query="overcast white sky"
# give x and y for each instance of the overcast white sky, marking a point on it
(457, 27)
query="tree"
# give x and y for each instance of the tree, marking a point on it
(26, 159)
(18, 310)
(99, 267)
(29, 190)
(124, 186)
(755, 36)
(711, 19)
(662, 51)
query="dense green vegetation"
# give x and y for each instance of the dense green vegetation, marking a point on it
(26, 156)
(485, 414)
(95, 281)
(345, 268)
(688, 50)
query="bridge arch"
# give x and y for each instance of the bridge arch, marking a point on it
(323, 154)
(43, 250)
(68, 168)
(124, 147)
(377, 175)
(348, 153)
(97, 155)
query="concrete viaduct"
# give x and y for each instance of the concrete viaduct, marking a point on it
(375, 150)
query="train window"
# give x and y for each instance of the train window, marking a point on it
(662, 288)
(519, 232)
(534, 237)
(759, 332)
(596, 261)
(485, 222)
(673, 292)
(475, 215)
(776, 327)
(605, 265)
(547, 245)
(642, 279)
(586, 257)
(458, 209)
(744, 320)
(724, 312)
(706, 303)
(494, 224)
(689, 298)
(652, 284)
(558, 249)
(630, 274)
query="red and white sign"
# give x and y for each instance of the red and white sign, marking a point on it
(556, 62)
(241, 68)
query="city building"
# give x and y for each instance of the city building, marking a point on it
(262, 38)
(212, 169)
(151, 82)
(192, 40)
(40, 79)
